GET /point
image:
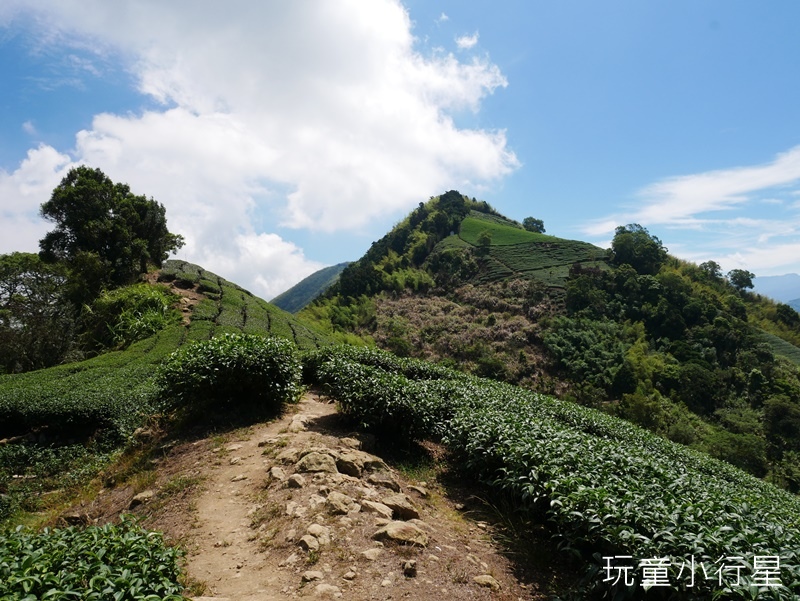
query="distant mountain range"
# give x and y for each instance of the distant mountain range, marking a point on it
(305, 291)
(783, 288)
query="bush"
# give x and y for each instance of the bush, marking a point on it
(232, 371)
(109, 562)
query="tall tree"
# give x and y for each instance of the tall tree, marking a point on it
(633, 245)
(741, 278)
(103, 231)
(36, 322)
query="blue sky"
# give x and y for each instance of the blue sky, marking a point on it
(282, 137)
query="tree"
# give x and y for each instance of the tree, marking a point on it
(533, 225)
(741, 279)
(712, 269)
(104, 229)
(36, 322)
(484, 242)
(633, 245)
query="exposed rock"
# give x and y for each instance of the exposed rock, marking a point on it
(312, 575)
(350, 463)
(339, 503)
(420, 490)
(289, 455)
(277, 474)
(143, 497)
(386, 582)
(77, 519)
(233, 447)
(309, 543)
(317, 462)
(384, 480)
(298, 423)
(401, 505)
(327, 590)
(378, 508)
(487, 581)
(235, 460)
(410, 568)
(403, 533)
(351, 443)
(322, 534)
(239, 478)
(372, 554)
(349, 575)
(296, 481)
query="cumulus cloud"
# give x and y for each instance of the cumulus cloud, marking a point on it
(465, 42)
(321, 115)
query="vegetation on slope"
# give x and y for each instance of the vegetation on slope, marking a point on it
(607, 488)
(674, 347)
(305, 291)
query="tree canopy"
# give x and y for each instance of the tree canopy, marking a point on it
(533, 225)
(35, 322)
(103, 230)
(633, 245)
(741, 278)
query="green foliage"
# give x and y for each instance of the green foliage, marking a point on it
(120, 562)
(605, 486)
(502, 233)
(124, 315)
(533, 225)
(103, 231)
(633, 245)
(741, 278)
(36, 322)
(232, 372)
(302, 293)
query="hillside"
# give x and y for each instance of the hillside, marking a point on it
(289, 507)
(671, 346)
(307, 289)
(53, 412)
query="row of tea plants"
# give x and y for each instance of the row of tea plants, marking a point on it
(606, 487)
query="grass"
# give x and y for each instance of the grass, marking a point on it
(502, 233)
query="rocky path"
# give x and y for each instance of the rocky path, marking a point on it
(295, 508)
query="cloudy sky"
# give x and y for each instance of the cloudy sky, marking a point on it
(285, 136)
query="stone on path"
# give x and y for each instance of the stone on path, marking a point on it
(487, 581)
(401, 505)
(403, 533)
(317, 462)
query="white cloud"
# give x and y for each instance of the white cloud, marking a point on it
(29, 186)
(465, 42)
(321, 115)
(442, 18)
(724, 205)
(682, 200)
(29, 128)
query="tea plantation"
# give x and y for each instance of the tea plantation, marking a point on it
(612, 492)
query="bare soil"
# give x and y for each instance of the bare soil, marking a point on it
(235, 504)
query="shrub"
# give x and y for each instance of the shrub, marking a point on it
(232, 371)
(109, 562)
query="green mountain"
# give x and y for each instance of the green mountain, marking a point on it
(104, 399)
(672, 346)
(305, 291)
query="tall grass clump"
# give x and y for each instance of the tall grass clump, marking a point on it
(231, 372)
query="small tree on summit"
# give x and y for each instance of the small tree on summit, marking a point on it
(741, 279)
(103, 231)
(533, 225)
(633, 245)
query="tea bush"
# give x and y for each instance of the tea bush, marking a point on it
(606, 487)
(120, 562)
(232, 371)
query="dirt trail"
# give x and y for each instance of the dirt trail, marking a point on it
(298, 508)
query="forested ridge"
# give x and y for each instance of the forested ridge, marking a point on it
(681, 349)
